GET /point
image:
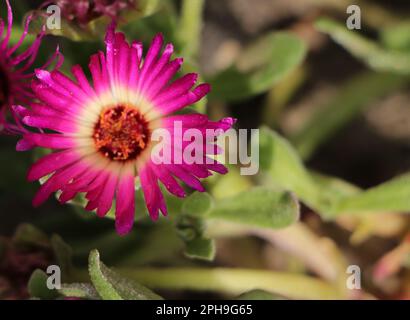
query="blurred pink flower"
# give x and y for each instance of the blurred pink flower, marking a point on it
(15, 73)
(83, 11)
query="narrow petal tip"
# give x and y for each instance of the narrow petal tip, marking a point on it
(42, 74)
(109, 37)
(123, 227)
(203, 89)
(19, 110)
(159, 38)
(229, 121)
(24, 145)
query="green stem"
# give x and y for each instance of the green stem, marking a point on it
(190, 26)
(230, 281)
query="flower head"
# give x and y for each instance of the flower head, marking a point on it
(15, 73)
(83, 11)
(103, 132)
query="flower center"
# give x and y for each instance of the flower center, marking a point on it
(121, 133)
(4, 87)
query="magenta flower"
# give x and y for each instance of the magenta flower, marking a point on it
(84, 11)
(104, 130)
(15, 74)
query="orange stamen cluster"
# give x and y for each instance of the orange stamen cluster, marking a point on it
(121, 133)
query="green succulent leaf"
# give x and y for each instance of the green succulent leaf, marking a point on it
(258, 207)
(258, 294)
(190, 228)
(230, 184)
(63, 254)
(397, 36)
(200, 248)
(374, 55)
(111, 286)
(37, 286)
(391, 196)
(28, 235)
(146, 7)
(284, 167)
(262, 64)
(198, 204)
(79, 290)
(163, 19)
(329, 196)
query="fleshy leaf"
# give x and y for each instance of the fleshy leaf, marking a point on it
(28, 235)
(370, 52)
(258, 207)
(230, 184)
(329, 196)
(63, 254)
(284, 167)
(190, 228)
(198, 204)
(111, 286)
(391, 196)
(200, 248)
(235, 281)
(79, 290)
(261, 65)
(397, 36)
(258, 295)
(37, 286)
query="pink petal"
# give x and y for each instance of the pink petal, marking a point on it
(56, 182)
(51, 163)
(177, 88)
(51, 140)
(186, 177)
(151, 56)
(107, 196)
(125, 204)
(152, 193)
(168, 180)
(185, 100)
(53, 123)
